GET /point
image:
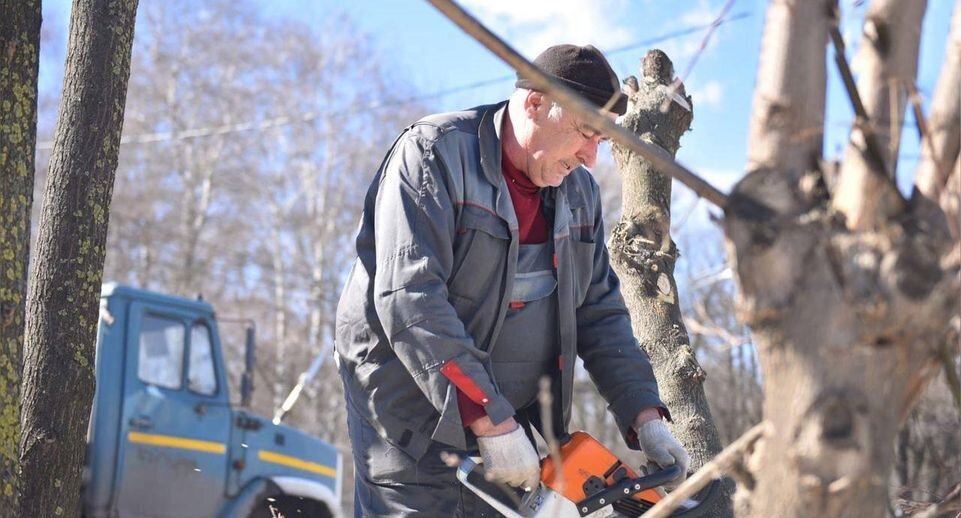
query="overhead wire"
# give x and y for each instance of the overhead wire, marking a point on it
(288, 119)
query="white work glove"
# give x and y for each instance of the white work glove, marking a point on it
(663, 449)
(510, 458)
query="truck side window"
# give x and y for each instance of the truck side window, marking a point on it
(161, 351)
(201, 377)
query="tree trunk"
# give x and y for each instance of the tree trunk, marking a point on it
(63, 301)
(281, 383)
(848, 300)
(19, 53)
(643, 255)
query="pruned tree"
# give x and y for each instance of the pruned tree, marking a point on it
(848, 291)
(63, 300)
(19, 66)
(644, 255)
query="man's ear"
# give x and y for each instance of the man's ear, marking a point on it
(535, 103)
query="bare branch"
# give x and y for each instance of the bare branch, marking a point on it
(924, 132)
(945, 118)
(887, 60)
(951, 201)
(790, 93)
(722, 464)
(947, 356)
(573, 102)
(866, 193)
(949, 504)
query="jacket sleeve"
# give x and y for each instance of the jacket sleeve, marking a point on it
(414, 230)
(618, 366)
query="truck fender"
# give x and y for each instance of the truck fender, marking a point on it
(249, 497)
(262, 488)
(305, 488)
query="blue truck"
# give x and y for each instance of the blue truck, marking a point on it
(164, 439)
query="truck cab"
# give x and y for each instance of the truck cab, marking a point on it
(164, 439)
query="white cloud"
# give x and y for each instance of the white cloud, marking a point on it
(702, 14)
(710, 94)
(530, 26)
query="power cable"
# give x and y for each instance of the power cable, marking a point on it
(285, 120)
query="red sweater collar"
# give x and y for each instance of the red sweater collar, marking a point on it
(517, 177)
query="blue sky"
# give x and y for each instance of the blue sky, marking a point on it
(431, 53)
(435, 55)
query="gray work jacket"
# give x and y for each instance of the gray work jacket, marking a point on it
(428, 293)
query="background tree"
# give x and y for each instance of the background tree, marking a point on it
(19, 66)
(849, 289)
(63, 300)
(644, 255)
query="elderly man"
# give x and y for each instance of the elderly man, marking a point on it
(482, 268)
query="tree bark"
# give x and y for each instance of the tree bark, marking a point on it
(847, 318)
(644, 255)
(281, 383)
(63, 301)
(19, 66)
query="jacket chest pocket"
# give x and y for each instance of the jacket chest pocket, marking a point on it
(581, 229)
(480, 256)
(583, 268)
(581, 225)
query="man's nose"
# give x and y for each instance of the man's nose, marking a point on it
(588, 153)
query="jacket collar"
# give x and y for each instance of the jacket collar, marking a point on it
(489, 136)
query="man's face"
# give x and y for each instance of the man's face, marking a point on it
(556, 146)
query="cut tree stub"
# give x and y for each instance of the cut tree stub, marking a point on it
(644, 255)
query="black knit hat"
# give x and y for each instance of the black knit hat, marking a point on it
(584, 70)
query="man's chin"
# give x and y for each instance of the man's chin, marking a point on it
(557, 179)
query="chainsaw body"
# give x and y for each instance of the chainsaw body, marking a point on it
(585, 480)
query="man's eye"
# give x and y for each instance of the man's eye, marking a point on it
(589, 133)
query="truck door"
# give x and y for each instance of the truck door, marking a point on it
(175, 425)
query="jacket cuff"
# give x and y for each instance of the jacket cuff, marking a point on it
(464, 383)
(470, 412)
(499, 409)
(494, 405)
(626, 408)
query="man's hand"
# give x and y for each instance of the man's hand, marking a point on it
(660, 446)
(509, 457)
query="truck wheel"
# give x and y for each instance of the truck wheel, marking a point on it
(291, 507)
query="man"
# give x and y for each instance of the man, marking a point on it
(481, 268)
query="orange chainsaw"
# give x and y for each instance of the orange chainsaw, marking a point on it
(589, 481)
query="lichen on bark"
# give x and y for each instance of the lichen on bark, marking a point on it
(63, 303)
(19, 62)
